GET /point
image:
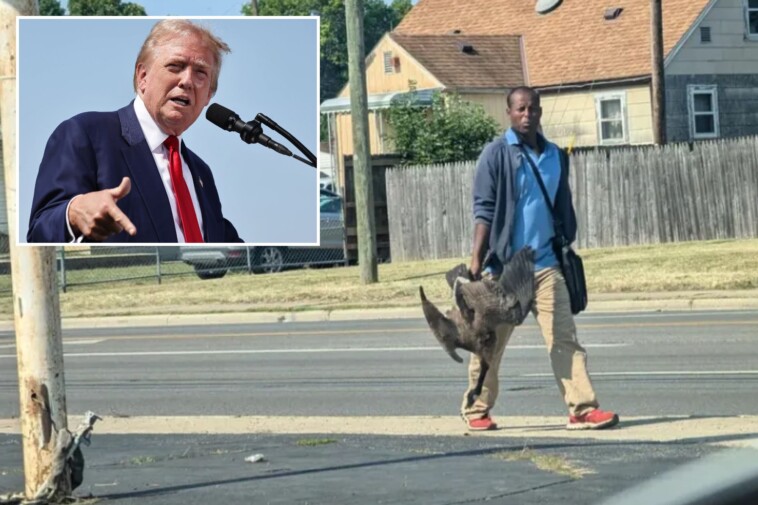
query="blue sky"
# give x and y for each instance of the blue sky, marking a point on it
(187, 7)
(193, 7)
(69, 66)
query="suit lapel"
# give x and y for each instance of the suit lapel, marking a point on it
(145, 177)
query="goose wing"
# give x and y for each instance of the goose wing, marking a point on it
(442, 327)
(517, 282)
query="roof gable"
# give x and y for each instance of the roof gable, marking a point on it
(467, 61)
(573, 44)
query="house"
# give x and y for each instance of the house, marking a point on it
(480, 68)
(591, 62)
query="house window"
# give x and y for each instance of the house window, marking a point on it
(611, 118)
(388, 64)
(751, 18)
(705, 34)
(704, 111)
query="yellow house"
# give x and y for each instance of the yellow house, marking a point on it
(590, 60)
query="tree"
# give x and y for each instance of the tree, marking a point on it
(450, 130)
(379, 18)
(104, 8)
(50, 8)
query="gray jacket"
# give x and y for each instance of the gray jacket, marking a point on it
(495, 195)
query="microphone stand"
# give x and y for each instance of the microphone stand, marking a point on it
(274, 126)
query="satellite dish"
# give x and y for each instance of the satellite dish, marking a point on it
(546, 6)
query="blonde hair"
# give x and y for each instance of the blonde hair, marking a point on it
(168, 29)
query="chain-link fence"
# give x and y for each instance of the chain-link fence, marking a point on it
(78, 266)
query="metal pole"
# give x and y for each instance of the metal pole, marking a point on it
(35, 299)
(63, 269)
(249, 260)
(658, 85)
(362, 174)
(158, 263)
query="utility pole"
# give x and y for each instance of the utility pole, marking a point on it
(254, 7)
(658, 92)
(35, 304)
(362, 175)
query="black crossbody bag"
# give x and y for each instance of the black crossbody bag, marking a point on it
(571, 264)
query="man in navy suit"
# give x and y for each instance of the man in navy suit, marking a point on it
(121, 176)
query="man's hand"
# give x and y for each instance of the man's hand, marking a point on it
(481, 237)
(475, 269)
(96, 215)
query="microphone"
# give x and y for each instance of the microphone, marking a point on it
(250, 132)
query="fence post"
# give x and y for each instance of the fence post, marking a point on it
(158, 264)
(63, 269)
(249, 260)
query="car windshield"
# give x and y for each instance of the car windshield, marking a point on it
(331, 204)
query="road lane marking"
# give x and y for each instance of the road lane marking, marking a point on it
(658, 372)
(285, 351)
(65, 342)
(389, 331)
(667, 314)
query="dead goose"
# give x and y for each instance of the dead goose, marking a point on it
(480, 306)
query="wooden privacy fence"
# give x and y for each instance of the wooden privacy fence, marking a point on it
(626, 196)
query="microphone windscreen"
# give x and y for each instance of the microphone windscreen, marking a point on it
(220, 116)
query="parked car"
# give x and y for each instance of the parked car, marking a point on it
(212, 262)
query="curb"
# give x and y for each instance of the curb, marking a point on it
(598, 306)
(730, 430)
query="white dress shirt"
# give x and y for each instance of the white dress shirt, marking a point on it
(155, 138)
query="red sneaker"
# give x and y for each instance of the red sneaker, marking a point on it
(594, 420)
(483, 424)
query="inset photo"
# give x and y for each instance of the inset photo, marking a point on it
(168, 130)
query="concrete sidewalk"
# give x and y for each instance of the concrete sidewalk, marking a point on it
(737, 431)
(599, 303)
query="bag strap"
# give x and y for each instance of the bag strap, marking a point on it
(556, 220)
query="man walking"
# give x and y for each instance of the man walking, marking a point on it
(510, 212)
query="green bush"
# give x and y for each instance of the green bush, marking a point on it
(449, 130)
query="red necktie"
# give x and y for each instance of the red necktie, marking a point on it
(183, 200)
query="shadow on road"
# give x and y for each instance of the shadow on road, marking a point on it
(379, 463)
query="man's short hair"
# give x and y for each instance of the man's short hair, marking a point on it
(168, 29)
(522, 89)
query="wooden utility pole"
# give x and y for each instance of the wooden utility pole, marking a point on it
(362, 175)
(254, 7)
(658, 93)
(35, 303)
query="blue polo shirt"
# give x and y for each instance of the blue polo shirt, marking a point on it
(533, 221)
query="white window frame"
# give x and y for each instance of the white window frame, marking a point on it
(604, 97)
(748, 10)
(703, 89)
(389, 64)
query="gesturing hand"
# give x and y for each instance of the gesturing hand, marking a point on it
(96, 215)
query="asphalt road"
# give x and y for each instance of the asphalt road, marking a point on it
(700, 363)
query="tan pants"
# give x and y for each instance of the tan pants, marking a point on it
(568, 358)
